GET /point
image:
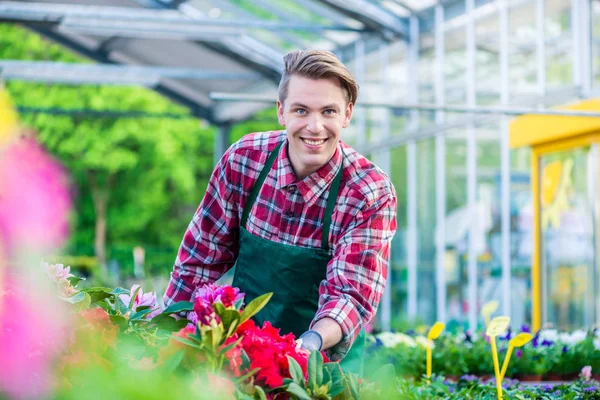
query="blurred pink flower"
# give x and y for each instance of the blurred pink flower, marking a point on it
(31, 336)
(586, 372)
(142, 299)
(34, 201)
(57, 272)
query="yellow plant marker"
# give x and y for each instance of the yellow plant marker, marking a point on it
(487, 310)
(434, 333)
(518, 341)
(497, 327)
(8, 118)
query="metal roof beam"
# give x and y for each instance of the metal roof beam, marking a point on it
(70, 73)
(197, 109)
(362, 10)
(161, 20)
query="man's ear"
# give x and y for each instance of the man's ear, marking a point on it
(348, 115)
(280, 117)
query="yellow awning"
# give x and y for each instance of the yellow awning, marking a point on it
(531, 130)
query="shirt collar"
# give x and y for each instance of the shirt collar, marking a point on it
(315, 184)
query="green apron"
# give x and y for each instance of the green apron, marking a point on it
(292, 273)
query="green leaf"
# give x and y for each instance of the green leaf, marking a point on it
(261, 393)
(239, 395)
(248, 375)
(119, 320)
(172, 363)
(230, 318)
(169, 323)
(77, 298)
(119, 290)
(255, 306)
(133, 296)
(85, 303)
(189, 342)
(138, 315)
(231, 346)
(297, 391)
(74, 280)
(315, 370)
(296, 371)
(337, 378)
(178, 307)
(98, 293)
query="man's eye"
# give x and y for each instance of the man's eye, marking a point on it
(300, 111)
(329, 112)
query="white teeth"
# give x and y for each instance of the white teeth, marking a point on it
(314, 142)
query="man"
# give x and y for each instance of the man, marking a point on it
(300, 214)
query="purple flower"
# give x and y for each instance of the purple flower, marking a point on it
(506, 336)
(564, 349)
(525, 328)
(556, 393)
(547, 343)
(547, 388)
(519, 353)
(469, 378)
(590, 389)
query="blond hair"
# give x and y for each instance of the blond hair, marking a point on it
(317, 64)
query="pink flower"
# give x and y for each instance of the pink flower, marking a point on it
(226, 295)
(35, 200)
(204, 313)
(57, 272)
(32, 324)
(141, 299)
(586, 372)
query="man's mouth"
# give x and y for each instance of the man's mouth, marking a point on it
(313, 142)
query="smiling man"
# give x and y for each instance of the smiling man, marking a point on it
(298, 213)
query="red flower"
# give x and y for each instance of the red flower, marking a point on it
(266, 350)
(205, 313)
(228, 296)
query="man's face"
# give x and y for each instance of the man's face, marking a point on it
(314, 113)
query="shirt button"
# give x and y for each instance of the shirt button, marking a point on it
(291, 189)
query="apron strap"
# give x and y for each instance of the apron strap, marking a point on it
(331, 198)
(259, 182)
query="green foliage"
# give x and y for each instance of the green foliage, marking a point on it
(152, 171)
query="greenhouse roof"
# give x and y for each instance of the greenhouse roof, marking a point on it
(187, 50)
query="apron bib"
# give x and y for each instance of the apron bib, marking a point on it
(292, 273)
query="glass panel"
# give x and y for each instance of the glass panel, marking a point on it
(455, 79)
(522, 70)
(568, 235)
(596, 42)
(426, 287)
(456, 239)
(398, 269)
(487, 63)
(559, 44)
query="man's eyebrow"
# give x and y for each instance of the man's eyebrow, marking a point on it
(331, 106)
(298, 105)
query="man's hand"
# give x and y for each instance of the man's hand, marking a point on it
(311, 341)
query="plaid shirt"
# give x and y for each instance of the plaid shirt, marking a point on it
(290, 211)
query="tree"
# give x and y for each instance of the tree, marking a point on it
(138, 174)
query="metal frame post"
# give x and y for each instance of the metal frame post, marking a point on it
(385, 164)
(504, 163)
(440, 168)
(411, 170)
(471, 167)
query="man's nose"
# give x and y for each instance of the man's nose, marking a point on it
(315, 124)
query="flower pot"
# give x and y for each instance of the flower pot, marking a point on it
(529, 378)
(571, 376)
(553, 377)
